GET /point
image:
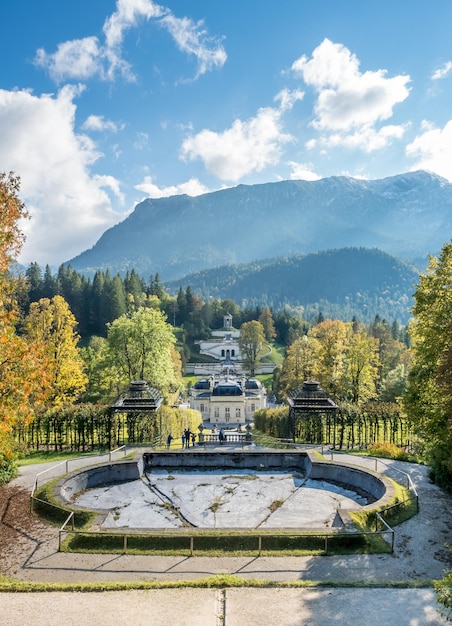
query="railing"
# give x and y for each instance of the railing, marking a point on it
(81, 460)
(409, 484)
(314, 542)
(229, 438)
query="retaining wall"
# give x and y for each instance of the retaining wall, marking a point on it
(374, 486)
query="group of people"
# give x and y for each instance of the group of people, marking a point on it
(187, 437)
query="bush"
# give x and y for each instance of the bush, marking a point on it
(443, 589)
(8, 467)
(387, 450)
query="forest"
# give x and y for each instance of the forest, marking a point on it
(69, 345)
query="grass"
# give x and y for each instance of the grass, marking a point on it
(402, 507)
(48, 507)
(220, 581)
(219, 543)
(46, 456)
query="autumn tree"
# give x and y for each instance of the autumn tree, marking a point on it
(141, 347)
(51, 323)
(22, 381)
(266, 319)
(299, 365)
(332, 338)
(251, 341)
(428, 400)
(361, 365)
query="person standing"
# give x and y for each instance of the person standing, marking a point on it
(169, 440)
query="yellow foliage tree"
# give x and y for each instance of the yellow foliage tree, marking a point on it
(23, 377)
(52, 324)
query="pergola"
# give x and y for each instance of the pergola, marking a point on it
(138, 398)
(310, 401)
(137, 401)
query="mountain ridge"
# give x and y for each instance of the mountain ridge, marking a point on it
(408, 216)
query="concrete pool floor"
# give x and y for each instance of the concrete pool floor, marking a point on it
(219, 499)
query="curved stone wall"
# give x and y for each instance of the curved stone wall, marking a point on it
(375, 486)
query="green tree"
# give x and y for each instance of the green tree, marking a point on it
(141, 347)
(251, 341)
(428, 400)
(35, 281)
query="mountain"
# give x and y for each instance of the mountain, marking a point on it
(408, 216)
(339, 283)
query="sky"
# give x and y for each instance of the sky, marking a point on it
(106, 103)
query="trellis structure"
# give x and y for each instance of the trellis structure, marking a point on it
(137, 403)
(312, 414)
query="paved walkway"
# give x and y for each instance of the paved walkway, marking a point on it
(420, 554)
(230, 607)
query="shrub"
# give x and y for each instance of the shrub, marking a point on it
(387, 450)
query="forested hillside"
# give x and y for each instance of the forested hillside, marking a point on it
(342, 284)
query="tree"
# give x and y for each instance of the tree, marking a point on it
(22, 381)
(361, 365)
(12, 210)
(428, 400)
(251, 341)
(141, 347)
(266, 319)
(299, 365)
(35, 281)
(332, 337)
(52, 324)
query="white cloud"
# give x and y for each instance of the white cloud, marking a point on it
(99, 123)
(432, 150)
(192, 187)
(192, 39)
(288, 98)
(81, 59)
(247, 146)
(141, 141)
(69, 207)
(348, 100)
(77, 59)
(443, 71)
(367, 139)
(302, 171)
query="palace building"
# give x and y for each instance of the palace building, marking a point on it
(228, 401)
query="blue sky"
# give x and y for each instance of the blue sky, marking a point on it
(105, 103)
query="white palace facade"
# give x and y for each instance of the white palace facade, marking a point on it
(225, 398)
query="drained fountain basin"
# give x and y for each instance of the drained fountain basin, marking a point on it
(247, 490)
